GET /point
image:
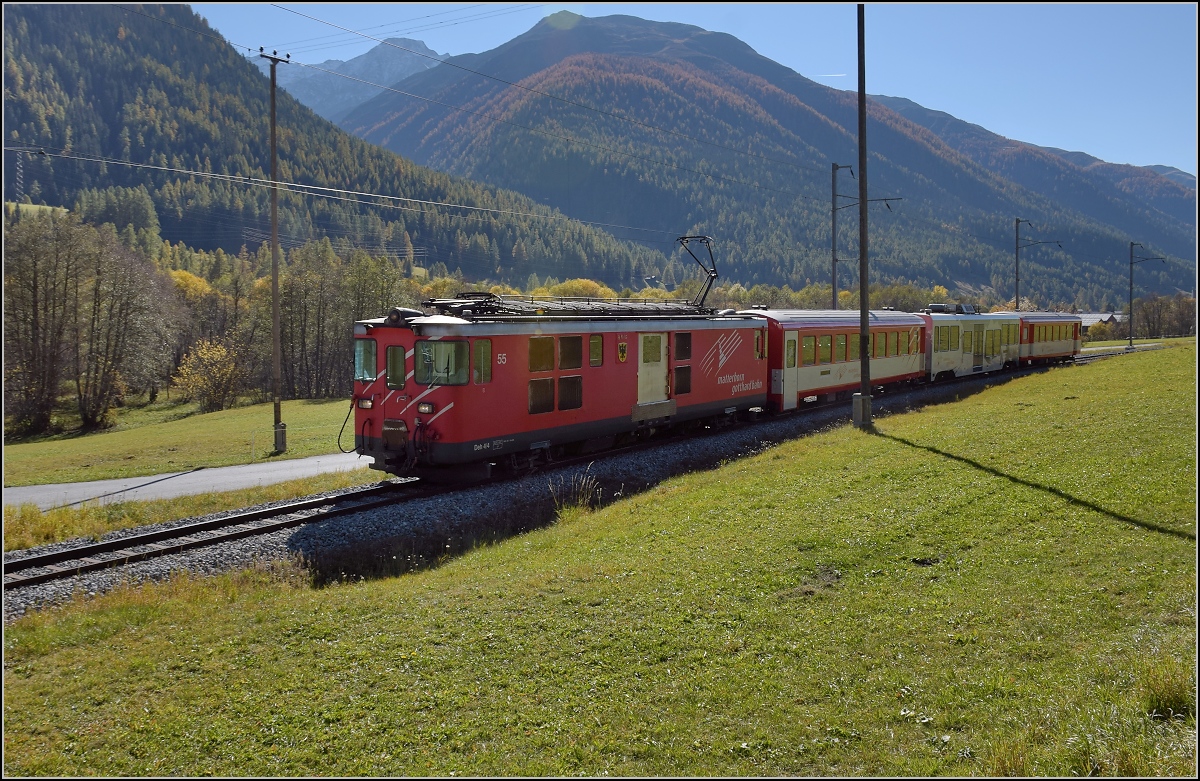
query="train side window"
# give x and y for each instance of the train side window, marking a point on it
(541, 396)
(954, 337)
(570, 352)
(902, 349)
(839, 348)
(683, 346)
(596, 350)
(967, 338)
(808, 350)
(364, 360)
(395, 367)
(943, 338)
(824, 349)
(854, 346)
(570, 392)
(541, 353)
(892, 347)
(880, 345)
(683, 379)
(789, 358)
(760, 345)
(481, 369)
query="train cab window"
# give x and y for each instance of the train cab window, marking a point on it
(808, 350)
(541, 396)
(683, 347)
(395, 367)
(596, 350)
(441, 363)
(481, 367)
(824, 349)
(683, 379)
(839, 348)
(789, 357)
(570, 392)
(570, 352)
(541, 353)
(364, 360)
(854, 346)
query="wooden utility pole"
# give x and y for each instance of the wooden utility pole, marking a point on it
(861, 413)
(276, 391)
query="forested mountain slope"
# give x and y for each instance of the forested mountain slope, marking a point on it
(694, 129)
(155, 86)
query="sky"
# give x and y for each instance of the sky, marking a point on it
(1114, 80)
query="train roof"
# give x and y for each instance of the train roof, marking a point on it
(509, 308)
(1047, 316)
(835, 318)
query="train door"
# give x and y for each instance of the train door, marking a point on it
(652, 368)
(977, 347)
(790, 370)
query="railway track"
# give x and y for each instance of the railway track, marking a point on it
(45, 567)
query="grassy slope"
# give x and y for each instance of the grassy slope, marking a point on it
(1004, 585)
(234, 436)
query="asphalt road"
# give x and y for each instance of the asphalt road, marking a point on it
(173, 484)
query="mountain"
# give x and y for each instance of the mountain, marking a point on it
(150, 96)
(334, 87)
(1090, 187)
(666, 127)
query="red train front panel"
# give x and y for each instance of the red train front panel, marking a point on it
(482, 391)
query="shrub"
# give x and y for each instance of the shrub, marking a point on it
(211, 374)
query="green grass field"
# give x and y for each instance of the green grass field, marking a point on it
(172, 438)
(1004, 585)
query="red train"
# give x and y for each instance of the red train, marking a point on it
(514, 381)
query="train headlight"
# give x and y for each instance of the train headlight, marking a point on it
(366, 403)
(425, 408)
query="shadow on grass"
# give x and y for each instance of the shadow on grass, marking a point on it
(1044, 488)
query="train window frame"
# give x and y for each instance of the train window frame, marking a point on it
(808, 351)
(570, 352)
(825, 349)
(570, 392)
(481, 361)
(366, 358)
(541, 353)
(436, 350)
(683, 380)
(541, 395)
(395, 378)
(596, 350)
(683, 345)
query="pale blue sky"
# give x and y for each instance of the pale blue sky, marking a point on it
(1117, 81)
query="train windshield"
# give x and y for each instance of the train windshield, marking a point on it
(442, 363)
(364, 360)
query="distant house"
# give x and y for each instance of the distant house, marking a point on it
(1091, 318)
